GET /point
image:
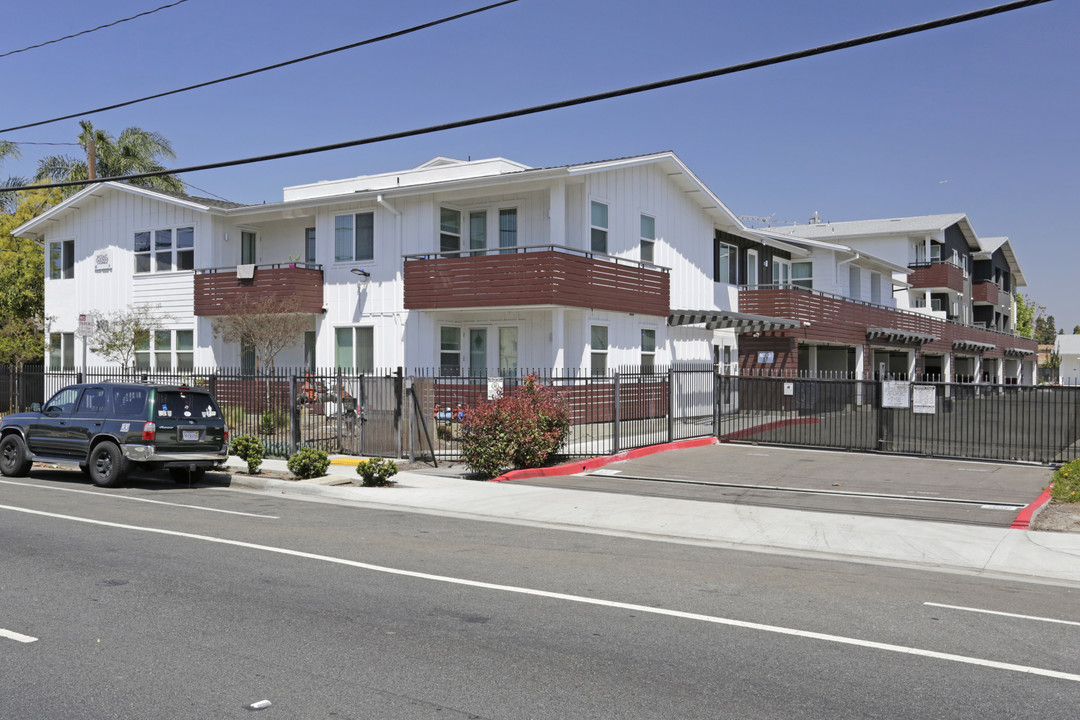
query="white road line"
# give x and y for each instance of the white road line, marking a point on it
(19, 637)
(145, 500)
(1005, 614)
(580, 599)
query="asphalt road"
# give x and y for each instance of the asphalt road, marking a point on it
(980, 493)
(159, 601)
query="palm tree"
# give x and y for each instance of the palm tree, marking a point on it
(135, 151)
(8, 200)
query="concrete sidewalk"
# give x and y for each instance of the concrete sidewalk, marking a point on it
(997, 552)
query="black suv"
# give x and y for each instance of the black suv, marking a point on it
(111, 428)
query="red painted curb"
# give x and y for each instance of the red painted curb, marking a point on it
(593, 463)
(739, 434)
(1023, 520)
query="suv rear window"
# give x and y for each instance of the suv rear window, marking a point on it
(129, 401)
(178, 404)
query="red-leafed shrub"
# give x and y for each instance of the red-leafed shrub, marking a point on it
(524, 427)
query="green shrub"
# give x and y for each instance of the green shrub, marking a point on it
(524, 428)
(1066, 483)
(273, 420)
(249, 449)
(377, 472)
(308, 463)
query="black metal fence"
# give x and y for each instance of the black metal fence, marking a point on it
(417, 415)
(1020, 423)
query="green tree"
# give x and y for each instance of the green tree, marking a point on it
(1045, 329)
(134, 151)
(1025, 316)
(120, 334)
(22, 288)
(1076, 330)
(8, 200)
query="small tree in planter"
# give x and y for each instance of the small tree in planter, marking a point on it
(250, 449)
(524, 428)
(308, 462)
(377, 472)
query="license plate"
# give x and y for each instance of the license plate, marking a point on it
(190, 435)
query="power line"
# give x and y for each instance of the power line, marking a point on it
(729, 70)
(27, 142)
(99, 27)
(256, 71)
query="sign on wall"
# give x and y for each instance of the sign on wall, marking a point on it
(102, 261)
(766, 357)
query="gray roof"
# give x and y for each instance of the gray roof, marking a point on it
(888, 226)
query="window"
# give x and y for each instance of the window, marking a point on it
(726, 263)
(449, 231)
(142, 353)
(508, 351)
(648, 351)
(163, 349)
(165, 250)
(802, 274)
(875, 288)
(309, 350)
(247, 248)
(919, 250)
(185, 349)
(781, 272)
(855, 282)
(247, 359)
(598, 228)
(93, 401)
(354, 237)
(450, 351)
(508, 226)
(166, 350)
(935, 252)
(309, 245)
(354, 349)
(61, 351)
(599, 346)
(478, 231)
(62, 260)
(751, 268)
(648, 238)
(477, 352)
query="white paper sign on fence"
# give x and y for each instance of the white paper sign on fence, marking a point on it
(895, 394)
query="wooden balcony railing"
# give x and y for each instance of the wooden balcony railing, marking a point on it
(985, 291)
(535, 275)
(279, 287)
(835, 318)
(936, 275)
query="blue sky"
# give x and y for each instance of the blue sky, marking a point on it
(979, 118)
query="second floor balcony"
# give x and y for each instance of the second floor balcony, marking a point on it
(834, 318)
(278, 287)
(935, 275)
(535, 275)
(985, 291)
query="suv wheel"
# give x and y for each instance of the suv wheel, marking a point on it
(108, 467)
(13, 459)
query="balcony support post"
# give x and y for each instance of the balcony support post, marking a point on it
(558, 355)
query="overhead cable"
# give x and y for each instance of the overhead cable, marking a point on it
(729, 70)
(99, 27)
(256, 71)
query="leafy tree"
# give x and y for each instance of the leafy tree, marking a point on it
(8, 200)
(269, 325)
(22, 290)
(1045, 330)
(1076, 330)
(1025, 316)
(134, 151)
(123, 332)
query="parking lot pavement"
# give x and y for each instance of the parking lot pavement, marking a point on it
(980, 493)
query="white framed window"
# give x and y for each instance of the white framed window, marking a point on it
(875, 288)
(248, 254)
(508, 229)
(802, 274)
(449, 230)
(61, 259)
(598, 344)
(598, 227)
(354, 349)
(648, 350)
(478, 347)
(450, 351)
(781, 272)
(354, 237)
(855, 282)
(309, 245)
(648, 238)
(61, 351)
(164, 249)
(478, 230)
(166, 350)
(726, 263)
(751, 268)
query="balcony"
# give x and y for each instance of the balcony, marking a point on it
(535, 275)
(985, 291)
(834, 318)
(943, 275)
(218, 291)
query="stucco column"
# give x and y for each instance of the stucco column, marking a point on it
(978, 368)
(558, 340)
(557, 213)
(947, 372)
(911, 364)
